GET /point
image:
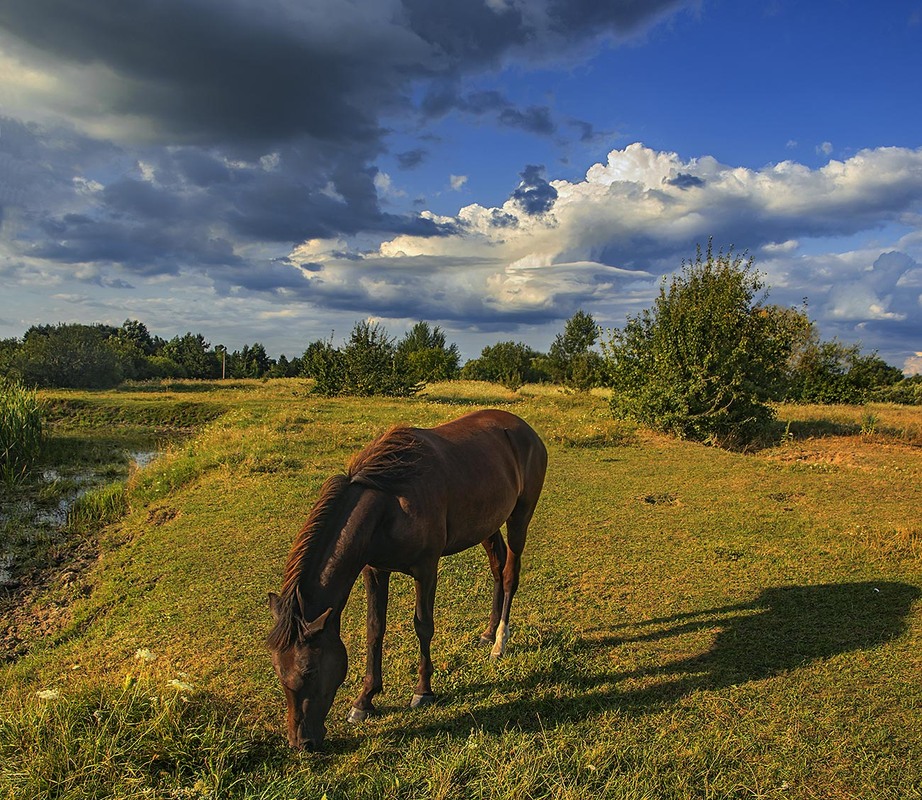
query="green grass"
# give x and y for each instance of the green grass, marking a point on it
(21, 432)
(691, 623)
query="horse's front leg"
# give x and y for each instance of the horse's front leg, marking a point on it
(424, 624)
(377, 583)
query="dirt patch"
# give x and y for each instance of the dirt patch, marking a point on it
(39, 602)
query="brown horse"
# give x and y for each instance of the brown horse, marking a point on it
(409, 498)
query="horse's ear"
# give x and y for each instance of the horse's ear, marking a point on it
(309, 629)
(275, 604)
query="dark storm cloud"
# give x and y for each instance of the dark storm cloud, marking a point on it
(534, 194)
(201, 91)
(201, 168)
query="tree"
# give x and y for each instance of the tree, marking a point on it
(423, 356)
(283, 368)
(832, 372)
(571, 361)
(68, 356)
(250, 362)
(369, 359)
(511, 364)
(324, 363)
(136, 333)
(191, 352)
(705, 360)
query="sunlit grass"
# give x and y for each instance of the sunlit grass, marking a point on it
(691, 623)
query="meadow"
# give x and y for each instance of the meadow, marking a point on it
(691, 622)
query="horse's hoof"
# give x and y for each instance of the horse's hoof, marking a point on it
(420, 700)
(357, 715)
(484, 641)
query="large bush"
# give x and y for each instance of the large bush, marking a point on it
(907, 392)
(366, 366)
(831, 372)
(704, 361)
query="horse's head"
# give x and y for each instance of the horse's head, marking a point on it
(311, 670)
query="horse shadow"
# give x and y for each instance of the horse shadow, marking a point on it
(783, 629)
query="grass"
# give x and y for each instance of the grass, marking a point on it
(691, 623)
(21, 432)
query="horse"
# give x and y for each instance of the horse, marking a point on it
(410, 497)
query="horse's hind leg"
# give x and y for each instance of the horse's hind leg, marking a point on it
(377, 584)
(516, 532)
(496, 553)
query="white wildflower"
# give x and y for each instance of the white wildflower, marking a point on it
(48, 694)
(144, 655)
(181, 686)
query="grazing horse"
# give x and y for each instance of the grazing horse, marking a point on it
(410, 497)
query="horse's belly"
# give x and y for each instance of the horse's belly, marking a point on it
(469, 529)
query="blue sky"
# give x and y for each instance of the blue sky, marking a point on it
(276, 171)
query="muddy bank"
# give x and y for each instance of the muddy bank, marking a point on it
(40, 557)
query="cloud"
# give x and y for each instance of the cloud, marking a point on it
(534, 194)
(684, 180)
(237, 152)
(603, 242)
(262, 122)
(411, 158)
(824, 149)
(457, 182)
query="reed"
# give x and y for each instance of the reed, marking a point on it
(98, 507)
(21, 431)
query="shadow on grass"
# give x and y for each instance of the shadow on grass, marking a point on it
(782, 630)
(819, 428)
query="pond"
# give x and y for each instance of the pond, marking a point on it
(33, 518)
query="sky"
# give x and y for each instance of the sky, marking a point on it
(274, 171)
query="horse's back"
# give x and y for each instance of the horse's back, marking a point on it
(491, 462)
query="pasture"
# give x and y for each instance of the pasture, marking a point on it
(690, 623)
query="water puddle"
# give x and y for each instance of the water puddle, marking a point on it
(40, 516)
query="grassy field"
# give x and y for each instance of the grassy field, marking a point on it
(691, 623)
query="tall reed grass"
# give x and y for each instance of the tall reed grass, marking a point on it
(98, 507)
(21, 431)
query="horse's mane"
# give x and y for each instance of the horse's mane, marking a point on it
(388, 464)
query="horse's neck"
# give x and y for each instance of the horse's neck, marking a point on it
(348, 553)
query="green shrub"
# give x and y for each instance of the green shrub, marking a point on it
(703, 362)
(21, 431)
(907, 392)
(366, 366)
(424, 355)
(831, 372)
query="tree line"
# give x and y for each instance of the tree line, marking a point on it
(705, 361)
(369, 361)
